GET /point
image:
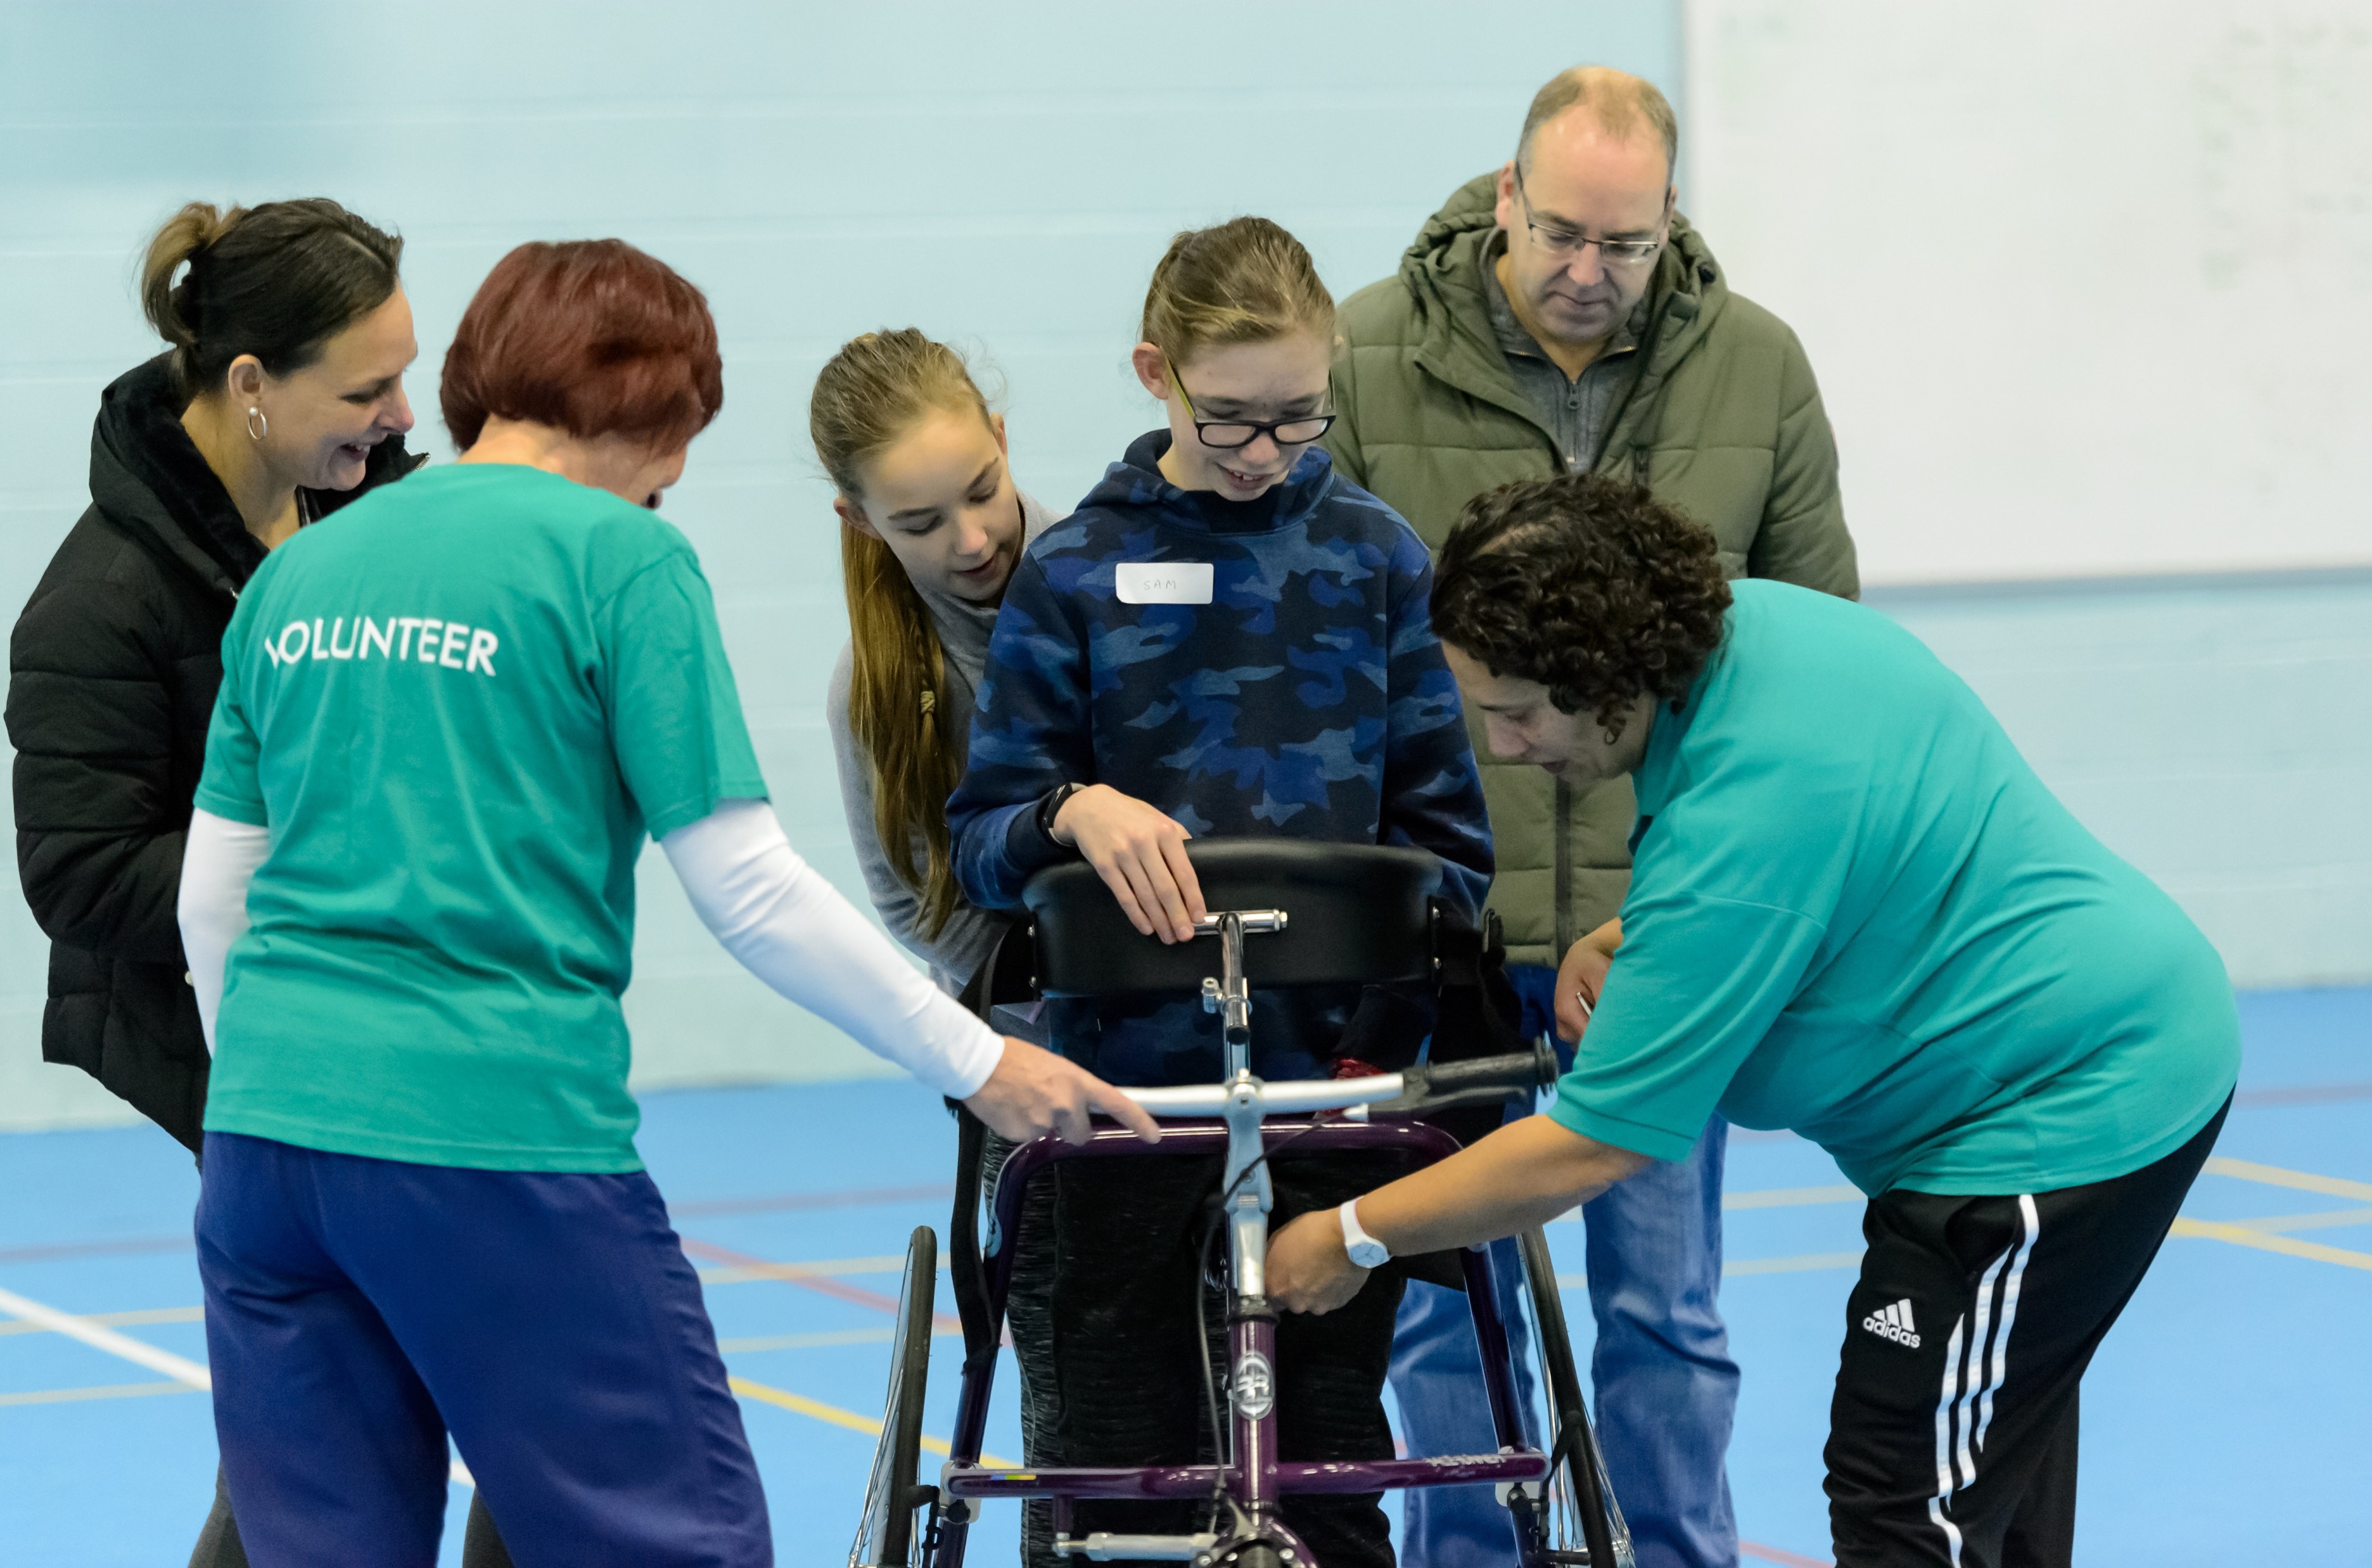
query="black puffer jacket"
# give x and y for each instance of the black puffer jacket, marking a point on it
(112, 671)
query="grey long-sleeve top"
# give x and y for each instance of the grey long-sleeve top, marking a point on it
(963, 944)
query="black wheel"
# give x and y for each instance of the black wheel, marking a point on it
(1579, 1473)
(886, 1536)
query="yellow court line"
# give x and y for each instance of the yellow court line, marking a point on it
(117, 1319)
(2326, 1219)
(822, 1340)
(104, 1391)
(1799, 1263)
(1765, 1198)
(833, 1415)
(829, 1268)
(1792, 1197)
(2299, 1180)
(2241, 1236)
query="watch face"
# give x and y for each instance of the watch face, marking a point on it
(1368, 1254)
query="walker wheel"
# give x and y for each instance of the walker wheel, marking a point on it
(886, 1537)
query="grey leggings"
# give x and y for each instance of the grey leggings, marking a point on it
(218, 1544)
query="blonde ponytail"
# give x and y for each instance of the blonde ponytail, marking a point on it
(870, 393)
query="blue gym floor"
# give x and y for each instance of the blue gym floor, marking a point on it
(2223, 1422)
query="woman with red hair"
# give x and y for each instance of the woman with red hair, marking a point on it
(446, 723)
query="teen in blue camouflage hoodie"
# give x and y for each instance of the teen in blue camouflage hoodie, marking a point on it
(1307, 699)
(1226, 638)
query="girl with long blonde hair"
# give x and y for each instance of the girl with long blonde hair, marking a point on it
(932, 526)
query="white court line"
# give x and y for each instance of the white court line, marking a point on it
(99, 1337)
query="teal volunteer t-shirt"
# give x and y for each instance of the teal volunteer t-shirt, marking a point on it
(1855, 912)
(459, 704)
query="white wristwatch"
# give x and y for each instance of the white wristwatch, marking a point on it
(1365, 1250)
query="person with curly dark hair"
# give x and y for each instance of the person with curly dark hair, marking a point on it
(1625, 610)
(1855, 912)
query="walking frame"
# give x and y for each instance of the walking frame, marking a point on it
(1303, 914)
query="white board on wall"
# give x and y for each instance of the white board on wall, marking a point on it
(2088, 287)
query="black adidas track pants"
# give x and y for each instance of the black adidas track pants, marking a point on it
(1952, 1436)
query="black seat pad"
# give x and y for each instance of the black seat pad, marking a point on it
(1356, 914)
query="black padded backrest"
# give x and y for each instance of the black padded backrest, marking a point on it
(1355, 913)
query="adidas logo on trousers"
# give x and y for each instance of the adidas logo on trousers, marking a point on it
(1894, 1323)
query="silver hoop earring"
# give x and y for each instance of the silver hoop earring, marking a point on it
(258, 427)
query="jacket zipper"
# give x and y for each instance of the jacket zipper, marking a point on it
(1563, 935)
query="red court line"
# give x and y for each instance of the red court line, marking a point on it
(851, 1198)
(2303, 1094)
(1756, 1549)
(708, 1251)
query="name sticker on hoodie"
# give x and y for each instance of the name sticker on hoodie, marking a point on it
(1163, 582)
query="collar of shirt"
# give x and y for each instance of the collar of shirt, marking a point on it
(1656, 780)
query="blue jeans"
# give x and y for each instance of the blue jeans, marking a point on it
(1666, 1387)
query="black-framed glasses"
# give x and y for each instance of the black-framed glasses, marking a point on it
(1227, 434)
(1567, 245)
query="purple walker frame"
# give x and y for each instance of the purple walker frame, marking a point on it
(1256, 1478)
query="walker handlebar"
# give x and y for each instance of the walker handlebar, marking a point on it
(1298, 1094)
(1442, 1084)
(1416, 1091)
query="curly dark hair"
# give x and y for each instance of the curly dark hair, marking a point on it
(1584, 584)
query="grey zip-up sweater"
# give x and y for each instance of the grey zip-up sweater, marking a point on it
(965, 941)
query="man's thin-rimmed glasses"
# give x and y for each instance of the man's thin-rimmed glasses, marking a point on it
(1567, 245)
(1227, 434)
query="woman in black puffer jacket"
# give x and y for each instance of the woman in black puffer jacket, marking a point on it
(281, 400)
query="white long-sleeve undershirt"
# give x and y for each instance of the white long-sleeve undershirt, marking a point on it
(769, 908)
(219, 860)
(796, 932)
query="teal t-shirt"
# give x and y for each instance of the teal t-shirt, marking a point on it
(1855, 912)
(459, 704)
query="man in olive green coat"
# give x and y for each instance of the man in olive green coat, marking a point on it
(1559, 314)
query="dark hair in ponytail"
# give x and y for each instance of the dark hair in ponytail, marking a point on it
(276, 281)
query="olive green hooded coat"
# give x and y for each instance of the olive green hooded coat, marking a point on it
(1720, 417)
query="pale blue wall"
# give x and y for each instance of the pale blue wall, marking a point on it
(825, 170)
(2216, 733)
(1001, 175)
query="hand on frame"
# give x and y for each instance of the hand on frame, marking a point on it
(1035, 1092)
(1308, 1268)
(1140, 852)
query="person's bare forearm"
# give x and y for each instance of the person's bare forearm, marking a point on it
(1525, 1174)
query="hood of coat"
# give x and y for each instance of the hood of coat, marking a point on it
(1443, 272)
(1137, 483)
(146, 476)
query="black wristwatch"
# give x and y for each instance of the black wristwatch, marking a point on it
(1051, 808)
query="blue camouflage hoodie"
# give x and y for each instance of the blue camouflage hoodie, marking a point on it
(1307, 699)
